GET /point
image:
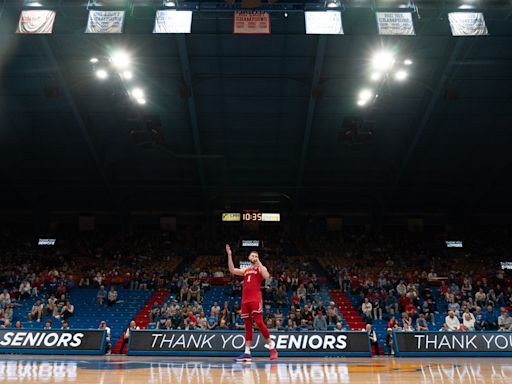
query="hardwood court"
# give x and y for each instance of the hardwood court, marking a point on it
(128, 370)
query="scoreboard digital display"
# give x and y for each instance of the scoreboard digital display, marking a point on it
(251, 216)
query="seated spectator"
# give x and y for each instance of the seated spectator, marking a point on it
(65, 325)
(154, 314)
(339, 327)
(303, 326)
(291, 326)
(6, 324)
(407, 322)
(101, 296)
(48, 324)
(366, 308)
(377, 310)
(9, 313)
(67, 311)
(36, 311)
(126, 335)
(445, 328)
(278, 315)
(5, 298)
(320, 322)
(18, 325)
(480, 297)
(177, 318)
(301, 293)
(108, 344)
(203, 324)
(468, 322)
(195, 291)
(112, 296)
(215, 308)
(270, 325)
(223, 325)
(479, 319)
(239, 323)
(393, 323)
(504, 320)
(212, 320)
(184, 292)
(490, 319)
(452, 321)
(25, 289)
(421, 323)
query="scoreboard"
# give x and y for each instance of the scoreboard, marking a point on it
(251, 216)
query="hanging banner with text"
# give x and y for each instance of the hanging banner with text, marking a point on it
(105, 22)
(52, 342)
(37, 21)
(395, 23)
(251, 23)
(231, 343)
(453, 343)
(467, 24)
(323, 23)
(172, 21)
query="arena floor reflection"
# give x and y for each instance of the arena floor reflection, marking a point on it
(128, 370)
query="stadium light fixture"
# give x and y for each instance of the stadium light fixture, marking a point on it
(375, 76)
(401, 75)
(333, 4)
(141, 101)
(361, 103)
(94, 60)
(365, 94)
(137, 93)
(169, 3)
(127, 75)
(408, 62)
(101, 74)
(383, 61)
(120, 59)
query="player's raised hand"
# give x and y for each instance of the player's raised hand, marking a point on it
(228, 249)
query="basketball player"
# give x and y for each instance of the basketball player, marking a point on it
(252, 302)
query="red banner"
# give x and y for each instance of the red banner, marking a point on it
(251, 23)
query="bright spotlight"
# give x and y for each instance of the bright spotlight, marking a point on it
(401, 75)
(120, 59)
(94, 60)
(365, 94)
(375, 76)
(137, 93)
(383, 60)
(127, 75)
(101, 74)
(361, 103)
(408, 62)
(169, 3)
(332, 4)
(141, 101)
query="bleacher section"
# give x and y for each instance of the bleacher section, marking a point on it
(87, 312)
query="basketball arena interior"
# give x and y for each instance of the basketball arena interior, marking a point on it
(255, 191)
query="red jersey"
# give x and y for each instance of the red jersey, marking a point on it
(251, 291)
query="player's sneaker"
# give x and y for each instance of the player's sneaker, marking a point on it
(244, 358)
(273, 354)
(272, 345)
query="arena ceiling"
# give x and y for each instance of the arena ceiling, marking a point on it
(257, 121)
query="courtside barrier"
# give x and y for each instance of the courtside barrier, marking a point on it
(232, 343)
(53, 342)
(479, 343)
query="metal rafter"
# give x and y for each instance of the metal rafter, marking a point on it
(443, 74)
(187, 78)
(78, 115)
(317, 71)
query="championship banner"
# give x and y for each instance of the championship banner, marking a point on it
(395, 23)
(172, 21)
(54, 342)
(36, 21)
(251, 22)
(105, 22)
(232, 343)
(452, 343)
(467, 24)
(323, 23)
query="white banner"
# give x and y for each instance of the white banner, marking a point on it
(105, 22)
(172, 21)
(251, 22)
(323, 23)
(467, 24)
(36, 21)
(395, 23)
